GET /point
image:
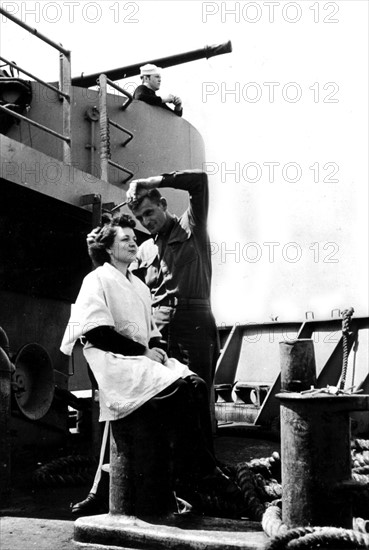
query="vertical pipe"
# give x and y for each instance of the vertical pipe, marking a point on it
(297, 359)
(96, 210)
(65, 86)
(5, 457)
(95, 413)
(92, 141)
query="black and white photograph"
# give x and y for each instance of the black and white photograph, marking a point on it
(184, 261)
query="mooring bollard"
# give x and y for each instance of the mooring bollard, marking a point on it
(315, 448)
(316, 459)
(140, 472)
(121, 493)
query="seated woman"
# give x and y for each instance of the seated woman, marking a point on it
(157, 401)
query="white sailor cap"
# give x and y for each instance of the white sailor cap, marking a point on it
(148, 69)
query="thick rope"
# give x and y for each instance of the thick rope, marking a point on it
(259, 483)
(321, 537)
(361, 444)
(251, 495)
(362, 470)
(105, 136)
(105, 153)
(361, 459)
(346, 319)
(361, 525)
(272, 521)
(284, 540)
(360, 478)
(66, 471)
(331, 537)
(311, 537)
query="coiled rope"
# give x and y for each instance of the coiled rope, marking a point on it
(261, 492)
(66, 471)
(319, 537)
(258, 483)
(324, 537)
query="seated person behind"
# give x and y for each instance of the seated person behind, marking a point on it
(151, 80)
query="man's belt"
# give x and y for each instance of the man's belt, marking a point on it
(184, 303)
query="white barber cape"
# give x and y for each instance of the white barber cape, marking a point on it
(125, 383)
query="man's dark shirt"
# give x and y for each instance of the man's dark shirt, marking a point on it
(178, 262)
(143, 93)
(176, 266)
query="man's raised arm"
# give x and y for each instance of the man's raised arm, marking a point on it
(195, 182)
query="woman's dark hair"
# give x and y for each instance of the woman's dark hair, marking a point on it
(102, 237)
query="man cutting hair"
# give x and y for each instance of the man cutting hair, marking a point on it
(176, 265)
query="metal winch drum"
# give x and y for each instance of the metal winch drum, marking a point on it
(33, 381)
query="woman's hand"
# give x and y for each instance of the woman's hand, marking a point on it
(157, 354)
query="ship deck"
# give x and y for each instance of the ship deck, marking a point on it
(39, 517)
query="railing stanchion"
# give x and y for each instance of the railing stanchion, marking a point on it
(65, 86)
(104, 129)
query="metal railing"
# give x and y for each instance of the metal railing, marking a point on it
(63, 91)
(105, 122)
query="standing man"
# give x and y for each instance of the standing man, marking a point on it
(176, 265)
(151, 81)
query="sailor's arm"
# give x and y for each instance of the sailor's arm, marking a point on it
(195, 182)
(177, 102)
(178, 109)
(142, 93)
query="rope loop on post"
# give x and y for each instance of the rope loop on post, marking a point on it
(346, 322)
(346, 319)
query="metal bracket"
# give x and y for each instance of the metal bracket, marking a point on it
(96, 202)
